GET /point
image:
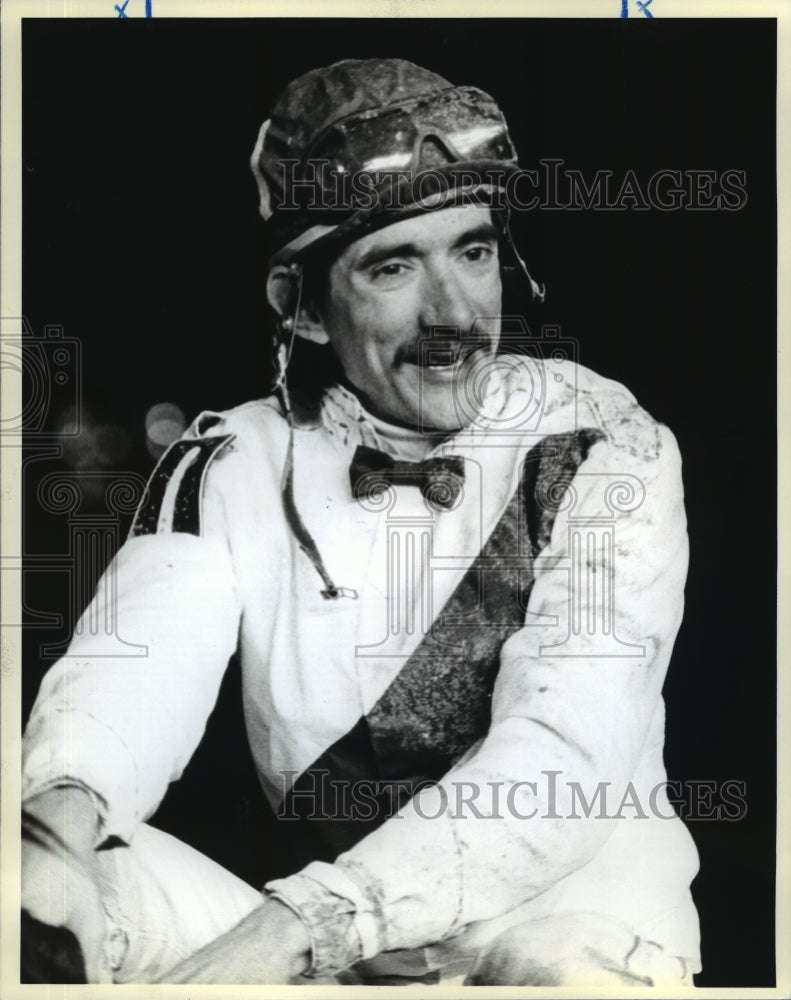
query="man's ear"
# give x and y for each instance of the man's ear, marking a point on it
(281, 291)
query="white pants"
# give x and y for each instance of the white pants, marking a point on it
(164, 900)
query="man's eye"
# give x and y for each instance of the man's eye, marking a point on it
(392, 269)
(478, 253)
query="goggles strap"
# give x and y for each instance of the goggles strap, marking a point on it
(417, 150)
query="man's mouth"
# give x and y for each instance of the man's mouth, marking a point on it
(442, 362)
(443, 357)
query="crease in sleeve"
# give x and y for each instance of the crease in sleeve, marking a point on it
(70, 747)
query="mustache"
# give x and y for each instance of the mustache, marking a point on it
(433, 348)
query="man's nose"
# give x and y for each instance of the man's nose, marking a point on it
(445, 301)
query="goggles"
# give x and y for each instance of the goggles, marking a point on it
(384, 161)
(455, 126)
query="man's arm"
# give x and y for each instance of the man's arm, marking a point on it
(270, 945)
(107, 734)
(415, 881)
(60, 876)
(126, 726)
(59, 871)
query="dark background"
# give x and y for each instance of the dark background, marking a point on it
(141, 239)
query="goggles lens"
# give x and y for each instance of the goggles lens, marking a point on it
(459, 124)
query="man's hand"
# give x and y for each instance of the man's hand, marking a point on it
(60, 885)
(270, 945)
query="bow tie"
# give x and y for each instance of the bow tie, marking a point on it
(438, 479)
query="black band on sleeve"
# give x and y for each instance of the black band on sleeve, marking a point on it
(174, 495)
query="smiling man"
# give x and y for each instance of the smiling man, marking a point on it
(389, 291)
(453, 565)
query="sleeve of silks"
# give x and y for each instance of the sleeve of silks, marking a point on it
(124, 726)
(573, 697)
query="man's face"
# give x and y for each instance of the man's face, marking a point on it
(390, 289)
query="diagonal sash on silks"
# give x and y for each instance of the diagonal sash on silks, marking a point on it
(439, 703)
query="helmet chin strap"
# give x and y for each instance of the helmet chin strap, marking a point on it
(287, 327)
(538, 292)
